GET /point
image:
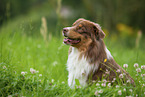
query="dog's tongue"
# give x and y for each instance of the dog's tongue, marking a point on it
(70, 41)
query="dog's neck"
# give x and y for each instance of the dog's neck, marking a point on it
(94, 52)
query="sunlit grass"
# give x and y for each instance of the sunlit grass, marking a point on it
(19, 54)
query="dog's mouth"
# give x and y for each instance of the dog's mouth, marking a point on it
(71, 41)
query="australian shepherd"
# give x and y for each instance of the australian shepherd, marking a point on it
(89, 59)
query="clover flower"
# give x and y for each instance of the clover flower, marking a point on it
(142, 75)
(4, 67)
(118, 70)
(121, 76)
(32, 70)
(125, 65)
(109, 85)
(124, 90)
(96, 93)
(119, 92)
(136, 65)
(143, 67)
(138, 70)
(100, 91)
(23, 73)
(97, 84)
(103, 84)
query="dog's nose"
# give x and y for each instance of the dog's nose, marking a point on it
(65, 30)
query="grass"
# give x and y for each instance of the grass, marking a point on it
(21, 51)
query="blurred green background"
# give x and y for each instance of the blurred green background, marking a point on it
(118, 18)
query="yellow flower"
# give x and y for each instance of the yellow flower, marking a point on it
(105, 60)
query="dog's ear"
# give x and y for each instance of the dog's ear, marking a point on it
(78, 21)
(98, 31)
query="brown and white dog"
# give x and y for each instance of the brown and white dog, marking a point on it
(89, 59)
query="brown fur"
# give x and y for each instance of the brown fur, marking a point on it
(93, 47)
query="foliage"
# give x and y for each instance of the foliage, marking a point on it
(30, 67)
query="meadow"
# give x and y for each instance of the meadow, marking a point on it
(32, 66)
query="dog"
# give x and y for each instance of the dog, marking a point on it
(89, 59)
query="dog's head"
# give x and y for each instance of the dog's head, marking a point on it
(82, 32)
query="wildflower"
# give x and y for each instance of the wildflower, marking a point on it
(100, 91)
(32, 70)
(107, 72)
(9, 95)
(96, 93)
(4, 67)
(109, 85)
(143, 67)
(142, 75)
(128, 81)
(119, 92)
(117, 86)
(130, 90)
(138, 70)
(136, 65)
(118, 70)
(97, 84)
(121, 76)
(62, 82)
(105, 60)
(52, 80)
(103, 84)
(125, 65)
(23, 73)
(78, 87)
(143, 85)
(54, 63)
(40, 74)
(113, 79)
(124, 90)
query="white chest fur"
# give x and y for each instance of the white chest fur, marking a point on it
(78, 68)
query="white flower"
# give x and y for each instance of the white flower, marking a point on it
(54, 63)
(97, 84)
(142, 75)
(40, 74)
(109, 85)
(117, 86)
(119, 92)
(62, 82)
(124, 90)
(100, 91)
(4, 67)
(103, 84)
(52, 80)
(143, 67)
(125, 65)
(96, 93)
(138, 70)
(23, 73)
(136, 65)
(128, 81)
(107, 72)
(121, 76)
(9, 95)
(32, 70)
(130, 90)
(118, 70)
